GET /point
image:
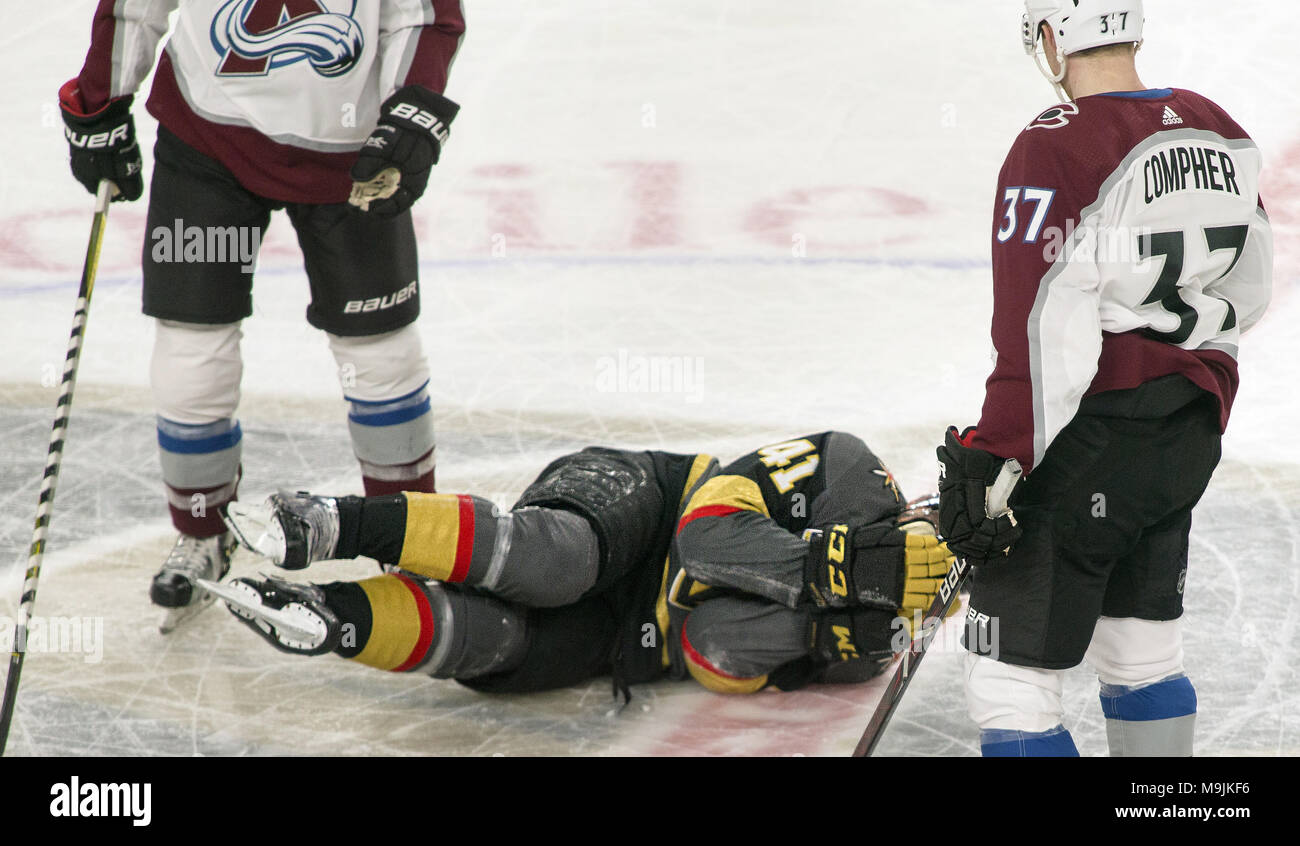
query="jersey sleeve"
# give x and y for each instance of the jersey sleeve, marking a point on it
(419, 40)
(124, 37)
(745, 529)
(1046, 327)
(727, 537)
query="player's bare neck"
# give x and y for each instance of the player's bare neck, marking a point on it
(1085, 75)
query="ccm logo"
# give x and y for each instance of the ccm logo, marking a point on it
(380, 303)
(421, 118)
(99, 140)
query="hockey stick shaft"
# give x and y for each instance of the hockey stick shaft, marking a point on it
(54, 458)
(911, 659)
(996, 505)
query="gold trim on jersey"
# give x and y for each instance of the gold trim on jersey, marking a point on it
(733, 491)
(738, 492)
(698, 467)
(714, 679)
(724, 684)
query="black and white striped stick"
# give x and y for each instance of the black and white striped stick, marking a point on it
(54, 457)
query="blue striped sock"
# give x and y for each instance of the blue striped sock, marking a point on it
(1155, 719)
(1004, 743)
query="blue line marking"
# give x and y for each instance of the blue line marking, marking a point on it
(572, 261)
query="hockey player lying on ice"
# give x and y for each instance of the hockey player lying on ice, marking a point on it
(791, 565)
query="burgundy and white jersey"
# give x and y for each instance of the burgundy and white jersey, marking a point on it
(283, 92)
(1129, 243)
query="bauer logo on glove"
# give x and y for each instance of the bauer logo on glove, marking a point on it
(102, 144)
(392, 167)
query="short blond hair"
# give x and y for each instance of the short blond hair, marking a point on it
(1125, 49)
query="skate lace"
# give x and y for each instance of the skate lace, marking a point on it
(322, 522)
(325, 537)
(193, 557)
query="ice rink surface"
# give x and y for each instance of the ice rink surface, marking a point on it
(788, 213)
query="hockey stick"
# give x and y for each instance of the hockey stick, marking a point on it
(911, 659)
(54, 457)
(995, 505)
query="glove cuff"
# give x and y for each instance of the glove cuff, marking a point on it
(879, 552)
(827, 568)
(77, 116)
(853, 635)
(972, 462)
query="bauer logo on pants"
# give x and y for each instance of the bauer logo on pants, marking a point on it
(255, 37)
(381, 303)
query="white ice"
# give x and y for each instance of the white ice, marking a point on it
(790, 204)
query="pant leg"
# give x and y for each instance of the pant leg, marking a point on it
(539, 557)
(363, 271)
(202, 235)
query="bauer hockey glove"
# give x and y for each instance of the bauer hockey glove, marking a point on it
(102, 144)
(974, 488)
(393, 167)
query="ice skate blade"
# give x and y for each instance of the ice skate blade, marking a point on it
(175, 617)
(248, 604)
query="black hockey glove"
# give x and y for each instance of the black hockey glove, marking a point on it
(393, 167)
(875, 566)
(974, 486)
(863, 634)
(102, 144)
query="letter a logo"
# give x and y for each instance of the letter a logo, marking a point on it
(255, 37)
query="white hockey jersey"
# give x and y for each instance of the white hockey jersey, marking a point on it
(1129, 243)
(283, 92)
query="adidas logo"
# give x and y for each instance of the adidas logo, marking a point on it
(1171, 117)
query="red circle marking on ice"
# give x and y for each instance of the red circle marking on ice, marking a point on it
(787, 214)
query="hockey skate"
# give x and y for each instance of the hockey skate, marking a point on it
(291, 529)
(191, 559)
(291, 617)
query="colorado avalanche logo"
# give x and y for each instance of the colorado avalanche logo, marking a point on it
(254, 37)
(1055, 117)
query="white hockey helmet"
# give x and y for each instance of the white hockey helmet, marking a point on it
(1079, 25)
(1082, 24)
